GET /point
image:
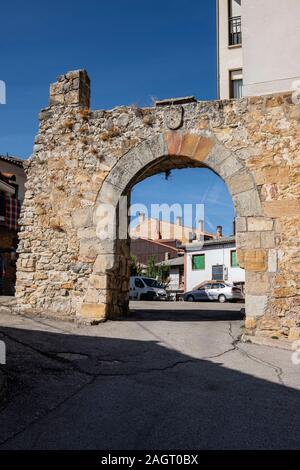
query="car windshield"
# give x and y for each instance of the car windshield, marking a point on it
(151, 282)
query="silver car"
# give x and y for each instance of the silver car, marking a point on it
(214, 291)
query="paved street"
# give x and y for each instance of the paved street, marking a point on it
(170, 376)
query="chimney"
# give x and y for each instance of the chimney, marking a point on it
(179, 221)
(167, 256)
(141, 217)
(192, 237)
(219, 231)
(201, 225)
(157, 230)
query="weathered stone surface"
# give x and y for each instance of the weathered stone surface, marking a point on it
(282, 208)
(82, 218)
(272, 174)
(248, 240)
(103, 263)
(247, 203)
(255, 260)
(229, 167)
(93, 311)
(84, 159)
(294, 334)
(241, 224)
(272, 261)
(256, 305)
(250, 323)
(260, 224)
(240, 182)
(258, 283)
(268, 240)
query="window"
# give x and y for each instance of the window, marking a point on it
(233, 259)
(236, 84)
(216, 286)
(151, 282)
(207, 286)
(198, 262)
(234, 22)
(218, 272)
(138, 283)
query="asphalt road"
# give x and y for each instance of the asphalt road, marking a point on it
(170, 376)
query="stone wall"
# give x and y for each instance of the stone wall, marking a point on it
(85, 158)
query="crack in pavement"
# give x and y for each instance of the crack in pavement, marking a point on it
(278, 370)
(235, 347)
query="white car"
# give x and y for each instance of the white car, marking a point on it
(214, 291)
(145, 288)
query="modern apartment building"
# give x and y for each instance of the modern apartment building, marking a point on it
(258, 42)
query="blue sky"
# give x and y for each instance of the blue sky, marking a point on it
(133, 51)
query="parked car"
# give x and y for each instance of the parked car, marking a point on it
(214, 291)
(145, 288)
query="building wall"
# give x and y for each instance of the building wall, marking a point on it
(174, 278)
(213, 256)
(9, 237)
(8, 245)
(230, 57)
(143, 249)
(6, 167)
(271, 44)
(155, 229)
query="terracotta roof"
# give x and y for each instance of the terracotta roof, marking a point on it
(217, 241)
(158, 242)
(12, 160)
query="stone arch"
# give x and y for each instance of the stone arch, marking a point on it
(162, 151)
(253, 144)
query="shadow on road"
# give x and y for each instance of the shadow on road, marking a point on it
(80, 392)
(137, 313)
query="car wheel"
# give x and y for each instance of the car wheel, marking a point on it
(222, 299)
(190, 298)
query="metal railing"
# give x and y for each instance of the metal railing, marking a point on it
(235, 30)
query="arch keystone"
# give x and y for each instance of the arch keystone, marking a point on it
(173, 140)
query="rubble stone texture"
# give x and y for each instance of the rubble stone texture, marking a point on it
(83, 159)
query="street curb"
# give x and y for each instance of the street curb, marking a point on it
(3, 385)
(272, 343)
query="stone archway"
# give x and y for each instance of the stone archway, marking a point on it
(84, 158)
(167, 150)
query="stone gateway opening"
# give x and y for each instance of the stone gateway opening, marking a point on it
(85, 159)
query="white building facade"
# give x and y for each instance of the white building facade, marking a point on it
(258, 42)
(215, 261)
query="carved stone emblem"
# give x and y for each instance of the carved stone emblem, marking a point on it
(174, 117)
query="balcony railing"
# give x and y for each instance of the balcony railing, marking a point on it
(235, 31)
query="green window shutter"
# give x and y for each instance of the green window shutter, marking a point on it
(233, 259)
(198, 262)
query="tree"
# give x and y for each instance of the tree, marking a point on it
(135, 267)
(160, 272)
